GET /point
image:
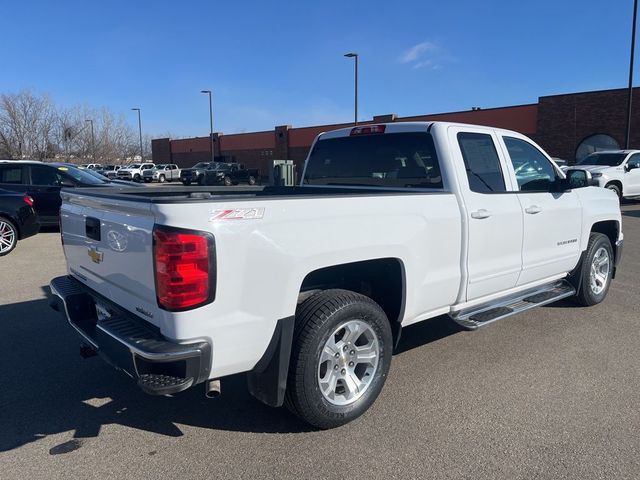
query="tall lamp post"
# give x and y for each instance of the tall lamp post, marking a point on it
(355, 56)
(208, 92)
(93, 141)
(140, 133)
(630, 92)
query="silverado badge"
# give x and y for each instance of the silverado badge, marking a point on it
(95, 255)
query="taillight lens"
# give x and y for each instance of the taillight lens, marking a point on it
(28, 200)
(184, 268)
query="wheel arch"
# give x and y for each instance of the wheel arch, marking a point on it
(617, 183)
(15, 223)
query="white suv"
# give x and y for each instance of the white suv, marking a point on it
(617, 170)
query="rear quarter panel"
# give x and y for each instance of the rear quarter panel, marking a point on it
(262, 263)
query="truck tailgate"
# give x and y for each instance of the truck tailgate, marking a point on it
(108, 246)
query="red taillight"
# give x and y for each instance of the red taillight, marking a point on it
(28, 200)
(184, 267)
(368, 130)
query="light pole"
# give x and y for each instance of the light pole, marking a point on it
(93, 141)
(210, 122)
(355, 56)
(630, 92)
(140, 132)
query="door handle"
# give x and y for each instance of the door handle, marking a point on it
(533, 209)
(480, 214)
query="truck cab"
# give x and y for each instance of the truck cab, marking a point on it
(617, 170)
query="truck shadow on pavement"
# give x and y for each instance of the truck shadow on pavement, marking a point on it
(46, 388)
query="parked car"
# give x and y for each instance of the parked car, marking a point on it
(43, 182)
(133, 171)
(162, 173)
(195, 174)
(109, 171)
(219, 173)
(617, 170)
(92, 166)
(18, 220)
(393, 224)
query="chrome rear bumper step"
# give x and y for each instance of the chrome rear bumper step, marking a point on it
(487, 313)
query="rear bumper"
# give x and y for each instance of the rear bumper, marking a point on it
(130, 344)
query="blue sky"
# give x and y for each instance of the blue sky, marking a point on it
(274, 63)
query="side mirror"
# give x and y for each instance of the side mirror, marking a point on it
(577, 178)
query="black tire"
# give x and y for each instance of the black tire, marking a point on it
(252, 180)
(162, 179)
(616, 189)
(8, 233)
(147, 180)
(136, 178)
(317, 318)
(186, 182)
(227, 181)
(201, 180)
(587, 296)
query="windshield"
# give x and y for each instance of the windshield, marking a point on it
(405, 159)
(604, 159)
(83, 176)
(133, 165)
(160, 167)
(201, 165)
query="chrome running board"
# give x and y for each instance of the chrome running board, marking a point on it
(481, 315)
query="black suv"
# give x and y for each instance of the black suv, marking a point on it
(17, 219)
(43, 182)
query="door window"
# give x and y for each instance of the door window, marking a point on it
(481, 162)
(46, 176)
(634, 162)
(534, 172)
(11, 174)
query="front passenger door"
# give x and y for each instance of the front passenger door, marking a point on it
(552, 219)
(632, 176)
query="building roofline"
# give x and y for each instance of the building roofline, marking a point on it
(606, 90)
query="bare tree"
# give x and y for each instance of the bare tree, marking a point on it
(32, 127)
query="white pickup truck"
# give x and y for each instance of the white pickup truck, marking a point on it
(307, 288)
(617, 170)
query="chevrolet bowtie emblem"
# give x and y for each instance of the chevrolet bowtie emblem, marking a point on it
(95, 255)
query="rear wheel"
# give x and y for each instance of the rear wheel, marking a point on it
(340, 358)
(8, 236)
(596, 270)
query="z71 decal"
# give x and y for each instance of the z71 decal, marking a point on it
(237, 214)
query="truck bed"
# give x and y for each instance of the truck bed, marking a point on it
(191, 194)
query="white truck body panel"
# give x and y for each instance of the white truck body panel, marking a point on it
(451, 254)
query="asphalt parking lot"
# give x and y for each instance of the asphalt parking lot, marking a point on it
(552, 393)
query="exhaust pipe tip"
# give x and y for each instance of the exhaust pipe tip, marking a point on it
(212, 389)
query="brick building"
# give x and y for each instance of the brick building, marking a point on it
(566, 126)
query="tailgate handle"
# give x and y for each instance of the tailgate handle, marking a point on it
(92, 228)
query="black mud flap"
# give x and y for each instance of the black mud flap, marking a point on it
(268, 379)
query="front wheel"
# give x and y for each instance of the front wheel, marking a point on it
(186, 182)
(136, 178)
(597, 270)
(252, 180)
(8, 236)
(161, 179)
(340, 358)
(227, 181)
(615, 189)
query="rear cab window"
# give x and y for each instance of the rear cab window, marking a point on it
(396, 160)
(481, 162)
(11, 174)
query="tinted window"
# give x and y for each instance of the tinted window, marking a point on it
(388, 160)
(604, 159)
(41, 175)
(534, 172)
(482, 162)
(634, 161)
(82, 176)
(10, 174)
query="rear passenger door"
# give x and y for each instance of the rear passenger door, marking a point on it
(552, 218)
(44, 186)
(494, 215)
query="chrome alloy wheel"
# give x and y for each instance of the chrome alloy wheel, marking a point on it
(348, 362)
(600, 270)
(7, 236)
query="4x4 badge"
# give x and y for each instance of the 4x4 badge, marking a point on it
(95, 255)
